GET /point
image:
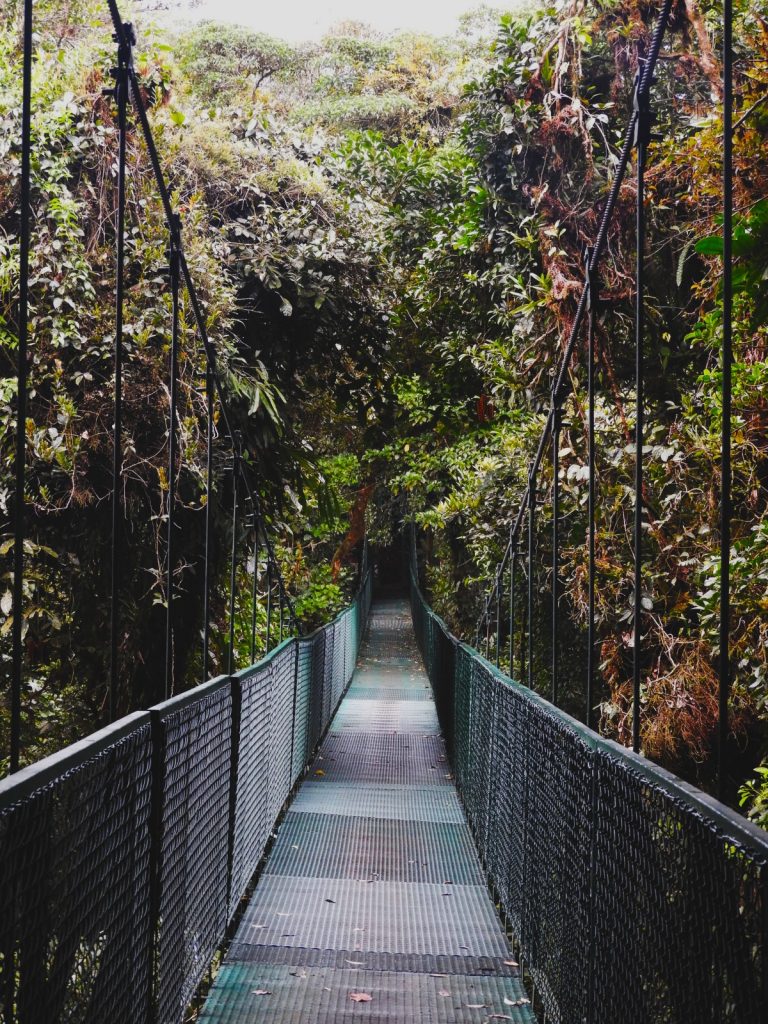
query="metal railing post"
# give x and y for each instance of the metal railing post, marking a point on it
(157, 738)
(234, 762)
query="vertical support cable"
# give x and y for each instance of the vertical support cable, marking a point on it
(254, 587)
(208, 516)
(642, 138)
(268, 640)
(523, 628)
(120, 93)
(19, 510)
(727, 361)
(233, 555)
(531, 558)
(557, 418)
(512, 574)
(174, 253)
(499, 576)
(592, 286)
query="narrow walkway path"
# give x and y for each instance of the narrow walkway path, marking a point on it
(372, 906)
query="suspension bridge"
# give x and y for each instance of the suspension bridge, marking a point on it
(372, 822)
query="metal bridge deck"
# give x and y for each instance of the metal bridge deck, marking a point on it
(372, 906)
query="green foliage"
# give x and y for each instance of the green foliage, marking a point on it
(223, 63)
(753, 795)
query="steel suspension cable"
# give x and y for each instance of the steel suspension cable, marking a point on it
(120, 94)
(268, 636)
(174, 253)
(642, 138)
(194, 301)
(499, 575)
(726, 510)
(593, 300)
(531, 564)
(208, 518)
(19, 505)
(561, 384)
(512, 574)
(233, 561)
(254, 590)
(556, 426)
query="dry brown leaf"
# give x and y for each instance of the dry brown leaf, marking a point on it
(360, 997)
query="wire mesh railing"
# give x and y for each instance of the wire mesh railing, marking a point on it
(124, 857)
(634, 897)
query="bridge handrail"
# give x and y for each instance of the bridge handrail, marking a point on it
(124, 857)
(634, 897)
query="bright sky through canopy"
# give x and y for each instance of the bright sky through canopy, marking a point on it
(298, 20)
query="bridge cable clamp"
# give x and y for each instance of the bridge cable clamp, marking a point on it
(125, 45)
(592, 279)
(645, 116)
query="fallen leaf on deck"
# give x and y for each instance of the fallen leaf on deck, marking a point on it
(443, 992)
(261, 992)
(511, 963)
(360, 997)
(319, 771)
(327, 900)
(499, 1016)
(475, 1006)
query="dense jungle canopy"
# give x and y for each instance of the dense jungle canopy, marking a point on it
(388, 235)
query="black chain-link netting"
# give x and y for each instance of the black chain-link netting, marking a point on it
(252, 821)
(123, 859)
(193, 865)
(74, 878)
(636, 899)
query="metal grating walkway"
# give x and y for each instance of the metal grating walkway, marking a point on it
(373, 889)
